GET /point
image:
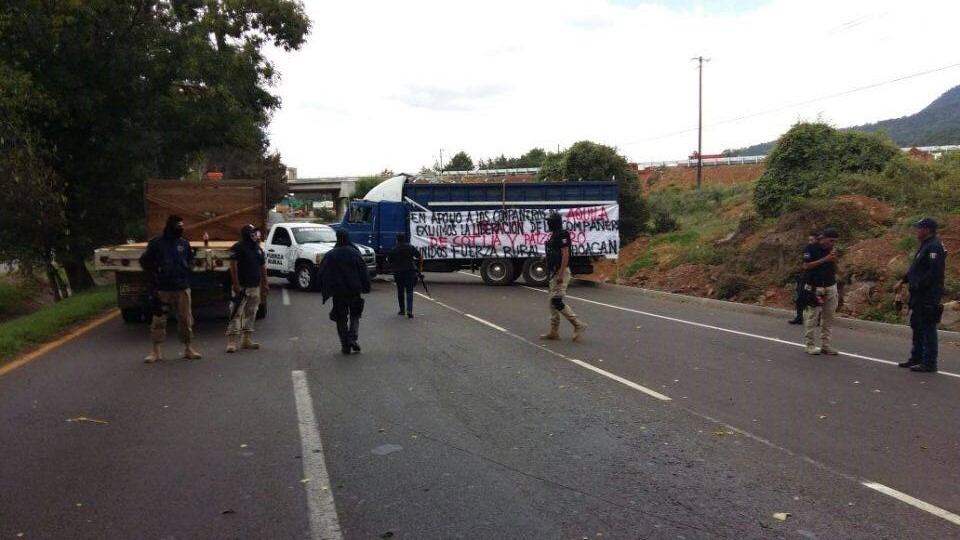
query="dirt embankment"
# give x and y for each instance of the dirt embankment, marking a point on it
(686, 177)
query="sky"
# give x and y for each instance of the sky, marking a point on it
(388, 84)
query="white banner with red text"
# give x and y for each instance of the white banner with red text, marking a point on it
(513, 232)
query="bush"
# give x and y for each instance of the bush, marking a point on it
(12, 298)
(643, 262)
(731, 285)
(664, 223)
(710, 255)
(810, 154)
(677, 238)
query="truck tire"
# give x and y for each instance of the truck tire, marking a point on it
(262, 311)
(535, 272)
(304, 275)
(132, 315)
(497, 271)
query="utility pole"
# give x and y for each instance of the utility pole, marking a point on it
(700, 60)
(441, 162)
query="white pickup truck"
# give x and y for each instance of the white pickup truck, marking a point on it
(294, 250)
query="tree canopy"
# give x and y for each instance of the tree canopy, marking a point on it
(461, 161)
(112, 93)
(810, 154)
(533, 158)
(587, 161)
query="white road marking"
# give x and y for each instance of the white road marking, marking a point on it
(903, 497)
(727, 330)
(916, 503)
(286, 297)
(488, 323)
(323, 512)
(581, 363)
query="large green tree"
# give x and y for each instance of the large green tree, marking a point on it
(460, 161)
(134, 89)
(587, 161)
(811, 154)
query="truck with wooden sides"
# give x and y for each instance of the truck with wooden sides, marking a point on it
(213, 212)
(506, 240)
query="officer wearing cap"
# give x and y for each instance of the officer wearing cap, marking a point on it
(924, 281)
(820, 266)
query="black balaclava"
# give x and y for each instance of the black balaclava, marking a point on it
(554, 222)
(248, 233)
(343, 238)
(173, 227)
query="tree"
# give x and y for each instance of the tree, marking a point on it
(587, 161)
(460, 162)
(811, 154)
(139, 89)
(533, 158)
(365, 184)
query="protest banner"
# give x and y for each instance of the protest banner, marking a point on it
(513, 232)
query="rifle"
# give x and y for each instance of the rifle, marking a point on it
(421, 280)
(237, 301)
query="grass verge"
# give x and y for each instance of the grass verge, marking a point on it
(18, 335)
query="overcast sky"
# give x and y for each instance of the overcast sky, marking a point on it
(387, 84)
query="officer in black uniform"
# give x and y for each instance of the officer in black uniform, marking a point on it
(558, 267)
(925, 284)
(343, 276)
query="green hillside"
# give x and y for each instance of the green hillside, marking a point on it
(937, 124)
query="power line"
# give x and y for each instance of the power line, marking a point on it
(801, 103)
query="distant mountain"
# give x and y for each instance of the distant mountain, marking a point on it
(938, 124)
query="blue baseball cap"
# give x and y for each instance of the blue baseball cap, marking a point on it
(926, 223)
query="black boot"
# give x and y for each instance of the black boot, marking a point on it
(924, 368)
(797, 320)
(909, 363)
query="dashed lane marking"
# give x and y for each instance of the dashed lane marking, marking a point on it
(581, 363)
(323, 511)
(913, 501)
(286, 297)
(727, 330)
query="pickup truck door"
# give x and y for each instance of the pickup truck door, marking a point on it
(361, 221)
(279, 246)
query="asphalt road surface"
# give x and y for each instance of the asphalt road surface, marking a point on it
(667, 421)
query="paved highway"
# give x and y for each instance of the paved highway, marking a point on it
(667, 421)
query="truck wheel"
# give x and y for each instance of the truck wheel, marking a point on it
(304, 276)
(262, 311)
(497, 271)
(132, 315)
(535, 272)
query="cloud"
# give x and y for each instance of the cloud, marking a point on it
(449, 99)
(501, 77)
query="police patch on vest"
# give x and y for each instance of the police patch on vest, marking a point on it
(933, 255)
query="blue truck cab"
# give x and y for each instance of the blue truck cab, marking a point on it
(376, 219)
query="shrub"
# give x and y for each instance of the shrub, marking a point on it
(664, 223)
(810, 154)
(643, 262)
(731, 285)
(677, 238)
(908, 244)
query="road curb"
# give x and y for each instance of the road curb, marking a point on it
(74, 333)
(845, 322)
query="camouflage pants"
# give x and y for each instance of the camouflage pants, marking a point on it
(179, 303)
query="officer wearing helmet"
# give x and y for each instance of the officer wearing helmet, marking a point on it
(558, 268)
(248, 273)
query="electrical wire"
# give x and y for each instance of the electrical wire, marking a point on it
(800, 103)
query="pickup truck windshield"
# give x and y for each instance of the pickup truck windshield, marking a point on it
(311, 235)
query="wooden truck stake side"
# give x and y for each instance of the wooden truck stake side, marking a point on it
(213, 213)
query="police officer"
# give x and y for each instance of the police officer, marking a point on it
(168, 262)
(925, 284)
(558, 268)
(820, 265)
(248, 274)
(343, 276)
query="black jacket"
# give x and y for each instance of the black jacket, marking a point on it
(926, 274)
(343, 273)
(403, 258)
(168, 262)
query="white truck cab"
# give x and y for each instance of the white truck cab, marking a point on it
(294, 250)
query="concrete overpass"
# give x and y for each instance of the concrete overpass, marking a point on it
(339, 188)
